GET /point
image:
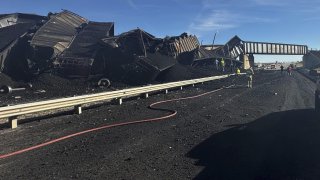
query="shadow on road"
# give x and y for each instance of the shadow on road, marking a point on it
(282, 145)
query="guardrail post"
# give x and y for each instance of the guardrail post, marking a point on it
(78, 109)
(119, 101)
(166, 91)
(181, 87)
(13, 122)
(192, 85)
(146, 95)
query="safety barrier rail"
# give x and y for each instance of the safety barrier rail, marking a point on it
(12, 112)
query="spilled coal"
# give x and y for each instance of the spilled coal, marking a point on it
(49, 86)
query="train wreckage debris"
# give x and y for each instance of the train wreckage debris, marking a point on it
(73, 47)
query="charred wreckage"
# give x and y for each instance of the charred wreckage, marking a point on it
(74, 47)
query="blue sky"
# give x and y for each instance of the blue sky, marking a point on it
(284, 21)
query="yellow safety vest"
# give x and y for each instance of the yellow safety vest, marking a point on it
(222, 62)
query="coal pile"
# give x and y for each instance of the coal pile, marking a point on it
(5, 80)
(49, 86)
(182, 72)
(50, 82)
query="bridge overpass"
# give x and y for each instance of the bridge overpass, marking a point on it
(246, 50)
(274, 48)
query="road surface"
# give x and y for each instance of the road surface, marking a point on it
(267, 132)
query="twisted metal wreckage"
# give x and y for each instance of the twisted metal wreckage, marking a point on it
(73, 46)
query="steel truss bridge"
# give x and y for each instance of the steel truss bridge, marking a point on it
(236, 47)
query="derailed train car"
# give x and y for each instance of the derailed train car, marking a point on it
(74, 47)
(56, 36)
(135, 56)
(16, 31)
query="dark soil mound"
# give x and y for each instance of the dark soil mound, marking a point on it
(60, 86)
(6, 80)
(184, 72)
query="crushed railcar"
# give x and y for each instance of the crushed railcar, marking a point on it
(15, 33)
(54, 37)
(83, 57)
(135, 56)
(74, 47)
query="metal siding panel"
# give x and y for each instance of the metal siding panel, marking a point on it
(187, 44)
(190, 43)
(183, 48)
(60, 28)
(181, 45)
(193, 46)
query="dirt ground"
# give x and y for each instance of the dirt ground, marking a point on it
(267, 132)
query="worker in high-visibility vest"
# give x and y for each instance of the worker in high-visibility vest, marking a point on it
(238, 71)
(249, 74)
(222, 64)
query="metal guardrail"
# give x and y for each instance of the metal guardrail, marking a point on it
(12, 112)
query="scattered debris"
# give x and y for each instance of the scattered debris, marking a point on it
(104, 82)
(40, 91)
(8, 89)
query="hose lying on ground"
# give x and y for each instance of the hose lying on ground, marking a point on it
(172, 113)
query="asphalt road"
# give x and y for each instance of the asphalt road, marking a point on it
(267, 132)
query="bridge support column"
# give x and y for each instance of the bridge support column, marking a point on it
(248, 60)
(244, 58)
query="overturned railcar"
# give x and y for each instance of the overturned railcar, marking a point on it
(183, 47)
(16, 31)
(54, 37)
(135, 56)
(83, 58)
(229, 52)
(69, 44)
(20, 18)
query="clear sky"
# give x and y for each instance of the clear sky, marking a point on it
(283, 21)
